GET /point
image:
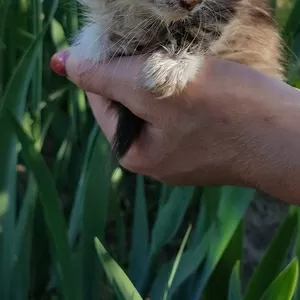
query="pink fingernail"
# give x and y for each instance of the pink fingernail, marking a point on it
(58, 61)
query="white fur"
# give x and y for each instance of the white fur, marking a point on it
(167, 75)
(164, 73)
(91, 44)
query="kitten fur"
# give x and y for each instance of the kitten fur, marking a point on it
(178, 34)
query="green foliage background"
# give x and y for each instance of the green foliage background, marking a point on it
(63, 205)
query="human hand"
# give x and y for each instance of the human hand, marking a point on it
(213, 133)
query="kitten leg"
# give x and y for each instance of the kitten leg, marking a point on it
(166, 74)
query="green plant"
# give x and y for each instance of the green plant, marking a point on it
(62, 198)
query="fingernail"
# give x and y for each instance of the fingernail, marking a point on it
(58, 61)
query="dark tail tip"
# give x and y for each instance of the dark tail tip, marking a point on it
(128, 129)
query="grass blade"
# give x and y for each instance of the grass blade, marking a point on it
(94, 215)
(223, 270)
(273, 259)
(167, 295)
(283, 287)
(292, 25)
(232, 206)
(14, 98)
(139, 254)
(191, 260)
(116, 275)
(21, 77)
(234, 292)
(75, 221)
(51, 209)
(170, 217)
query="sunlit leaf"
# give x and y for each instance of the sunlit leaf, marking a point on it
(283, 287)
(170, 217)
(116, 275)
(227, 221)
(273, 259)
(234, 292)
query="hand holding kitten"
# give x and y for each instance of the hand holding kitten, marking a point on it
(228, 127)
(176, 35)
(207, 135)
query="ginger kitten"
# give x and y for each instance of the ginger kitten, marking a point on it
(179, 34)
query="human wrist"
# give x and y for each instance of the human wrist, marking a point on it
(270, 151)
(264, 114)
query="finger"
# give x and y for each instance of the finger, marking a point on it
(104, 113)
(118, 79)
(106, 116)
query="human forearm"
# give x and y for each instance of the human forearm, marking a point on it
(268, 151)
(274, 159)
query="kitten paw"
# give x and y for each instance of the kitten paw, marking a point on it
(166, 75)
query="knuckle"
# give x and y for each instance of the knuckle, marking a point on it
(124, 164)
(135, 161)
(83, 75)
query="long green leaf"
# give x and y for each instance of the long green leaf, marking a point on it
(223, 270)
(170, 217)
(24, 229)
(94, 215)
(22, 74)
(191, 260)
(51, 209)
(174, 270)
(292, 25)
(139, 254)
(116, 275)
(273, 259)
(234, 292)
(233, 204)
(283, 287)
(296, 248)
(75, 221)
(14, 98)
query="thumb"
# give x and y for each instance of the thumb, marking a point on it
(119, 79)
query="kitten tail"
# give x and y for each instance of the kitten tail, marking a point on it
(129, 127)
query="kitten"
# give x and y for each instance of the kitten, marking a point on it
(179, 34)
